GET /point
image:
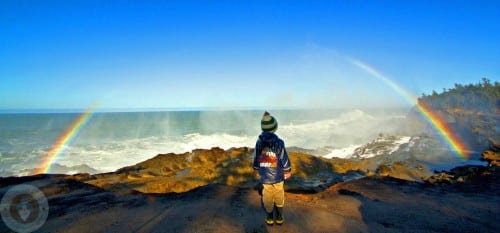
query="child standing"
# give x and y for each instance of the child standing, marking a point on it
(272, 165)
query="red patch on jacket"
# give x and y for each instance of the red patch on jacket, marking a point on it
(268, 159)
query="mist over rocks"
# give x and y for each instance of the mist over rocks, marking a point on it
(472, 112)
(475, 129)
(471, 174)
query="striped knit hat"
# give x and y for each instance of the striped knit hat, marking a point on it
(268, 123)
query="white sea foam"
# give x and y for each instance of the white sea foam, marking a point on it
(342, 153)
(115, 141)
(112, 156)
(399, 142)
(381, 146)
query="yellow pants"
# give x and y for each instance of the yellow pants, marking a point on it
(273, 194)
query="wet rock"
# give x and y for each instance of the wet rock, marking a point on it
(383, 170)
(492, 157)
(440, 178)
(81, 176)
(462, 174)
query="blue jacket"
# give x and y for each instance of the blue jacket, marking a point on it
(271, 158)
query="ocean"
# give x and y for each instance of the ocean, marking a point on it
(111, 140)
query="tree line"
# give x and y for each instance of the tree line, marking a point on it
(483, 96)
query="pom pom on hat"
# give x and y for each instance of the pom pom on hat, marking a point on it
(268, 123)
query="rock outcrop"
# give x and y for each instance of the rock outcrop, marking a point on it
(470, 173)
(214, 191)
(369, 204)
(492, 156)
(178, 173)
(183, 172)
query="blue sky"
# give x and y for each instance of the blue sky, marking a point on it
(240, 54)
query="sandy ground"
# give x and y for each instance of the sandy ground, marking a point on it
(364, 205)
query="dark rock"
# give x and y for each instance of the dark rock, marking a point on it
(492, 157)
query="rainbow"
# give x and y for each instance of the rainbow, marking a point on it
(64, 139)
(444, 131)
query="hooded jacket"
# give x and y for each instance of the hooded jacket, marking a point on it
(271, 158)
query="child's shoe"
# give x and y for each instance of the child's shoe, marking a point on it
(270, 219)
(279, 218)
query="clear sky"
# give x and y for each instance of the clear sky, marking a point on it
(240, 54)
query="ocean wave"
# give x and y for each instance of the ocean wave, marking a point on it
(106, 152)
(343, 153)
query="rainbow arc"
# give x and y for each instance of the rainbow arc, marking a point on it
(64, 139)
(444, 131)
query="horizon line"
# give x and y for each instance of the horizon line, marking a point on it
(177, 109)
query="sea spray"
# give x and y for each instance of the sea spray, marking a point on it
(114, 140)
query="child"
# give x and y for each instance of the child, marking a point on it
(271, 163)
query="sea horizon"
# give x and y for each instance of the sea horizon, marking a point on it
(188, 109)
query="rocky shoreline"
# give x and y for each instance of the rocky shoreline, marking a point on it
(179, 173)
(471, 173)
(214, 191)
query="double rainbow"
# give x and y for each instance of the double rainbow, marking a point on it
(444, 131)
(64, 139)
